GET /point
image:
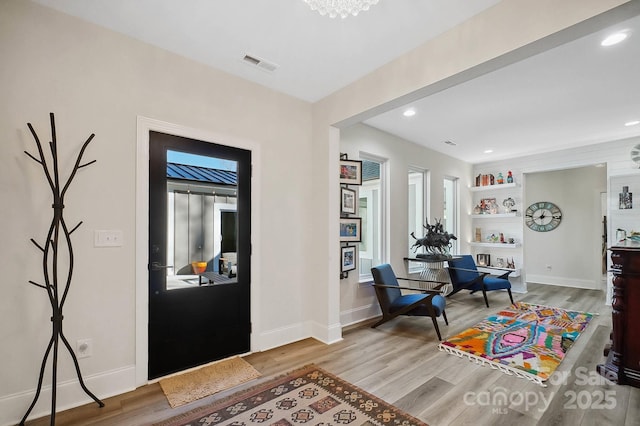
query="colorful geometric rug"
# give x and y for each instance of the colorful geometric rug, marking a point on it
(306, 396)
(525, 340)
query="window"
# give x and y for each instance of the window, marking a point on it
(371, 210)
(450, 210)
(416, 207)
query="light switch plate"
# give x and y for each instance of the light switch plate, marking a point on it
(108, 238)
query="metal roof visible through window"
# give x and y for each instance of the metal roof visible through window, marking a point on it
(201, 174)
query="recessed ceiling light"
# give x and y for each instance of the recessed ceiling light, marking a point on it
(632, 123)
(488, 151)
(614, 38)
(409, 112)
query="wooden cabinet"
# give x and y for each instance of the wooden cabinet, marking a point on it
(623, 353)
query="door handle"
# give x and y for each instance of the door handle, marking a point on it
(156, 266)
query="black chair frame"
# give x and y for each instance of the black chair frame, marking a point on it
(480, 280)
(384, 304)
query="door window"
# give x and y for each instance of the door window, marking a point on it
(201, 220)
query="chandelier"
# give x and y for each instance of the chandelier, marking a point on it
(343, 8)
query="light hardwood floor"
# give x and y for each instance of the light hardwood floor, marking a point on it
(400, 363)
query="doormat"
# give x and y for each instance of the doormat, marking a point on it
(309, 395)
(524, 340)
(205, 381)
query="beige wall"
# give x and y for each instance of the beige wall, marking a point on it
(571, 254)
(510, 31)
(98, 81)
(358, 301)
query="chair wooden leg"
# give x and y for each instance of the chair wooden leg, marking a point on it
(486, 301)
(444, 315)
(382, 321)
(435, 324)
(510, 295)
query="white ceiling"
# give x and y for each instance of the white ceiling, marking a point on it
(573, 95)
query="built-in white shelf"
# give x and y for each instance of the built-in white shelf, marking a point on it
(499, 271)
(494, 216)
(493, 187)
(495, 245)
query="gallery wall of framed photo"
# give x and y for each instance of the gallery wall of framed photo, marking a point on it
(350, 224)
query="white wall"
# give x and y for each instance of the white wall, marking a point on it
(503, 34)
(614, 155)
(357, 301)
(571, 254)
(96, 81)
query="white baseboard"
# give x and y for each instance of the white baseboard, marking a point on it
(359, 314)
(563, 281)
(69, 394)
(280, 336)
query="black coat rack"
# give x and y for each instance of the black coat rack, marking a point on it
(58, 235)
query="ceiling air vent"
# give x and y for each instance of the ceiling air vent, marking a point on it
(450, 143)
(259, 62)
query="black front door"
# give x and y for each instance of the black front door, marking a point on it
(199, 301)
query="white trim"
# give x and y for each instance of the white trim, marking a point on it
(69, 395)
(563, 281)
(384, 208)
(360, 314)
(144, 126)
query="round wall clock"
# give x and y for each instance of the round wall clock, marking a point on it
(635, 154)
(543, 216)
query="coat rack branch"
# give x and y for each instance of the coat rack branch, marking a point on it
(58, 237)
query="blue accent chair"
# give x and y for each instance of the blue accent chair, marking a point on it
(393, 303)
(465, 276)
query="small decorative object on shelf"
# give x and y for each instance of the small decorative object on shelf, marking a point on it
(500, 179)
(625, 199)
(493, 238)
(486, 206)
(621, 235)
(483, 259)
(508, 205)
(436, 242)
(511, 264)
(478, 235)
(485, 180)
(509, 177)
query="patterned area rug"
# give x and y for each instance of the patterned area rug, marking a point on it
(306, 396)
(193, 385)
(525, 340)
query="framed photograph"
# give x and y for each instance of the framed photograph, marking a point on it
(350, 229)
(351, 172)
(483, 259)
(347, 258)
(347, 201)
